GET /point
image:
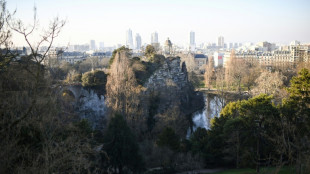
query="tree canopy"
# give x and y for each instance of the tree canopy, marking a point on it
(123, 48)
(95, 80)
(121, 146)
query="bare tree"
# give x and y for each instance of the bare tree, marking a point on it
(270, 83)
(5, 35)
(252, 73)
(31, 117)
(209, 73)
(123, 91)
(48, 37)
(236, 70)
(221, 85)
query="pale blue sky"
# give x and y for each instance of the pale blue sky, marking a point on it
(278, 21)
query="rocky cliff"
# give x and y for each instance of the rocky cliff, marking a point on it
(152, 94)
(170, 82)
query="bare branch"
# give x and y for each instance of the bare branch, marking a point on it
(48, 37)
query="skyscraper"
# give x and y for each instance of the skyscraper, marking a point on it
(220, 42)
(192, 43)
(129, 40)
(192, 38)
(138, 41)
(92, 45)
(154, 38)
(101, 46)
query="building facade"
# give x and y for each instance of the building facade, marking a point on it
(138, 41)
(218, 59)
(192, 43)
(154, 38)
(220, 42)
(129, 39)
(294, 54)
(92, 45)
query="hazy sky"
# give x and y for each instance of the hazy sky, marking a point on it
(106, 21)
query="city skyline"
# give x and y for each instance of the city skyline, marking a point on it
(107, 21)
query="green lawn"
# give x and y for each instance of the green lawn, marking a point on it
(285, 170)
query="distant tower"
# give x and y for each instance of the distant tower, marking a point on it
(101, 46)
(192, 38)
(129, 40)
(220, 42)
(192, 43)
(231, 45)
(154, 41)
(92, 45)
(168, 47)
(138, 41)
(154, 38)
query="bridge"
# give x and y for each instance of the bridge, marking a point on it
(75, 91)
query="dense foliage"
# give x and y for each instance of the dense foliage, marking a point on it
(257, 133)
(144, 69)
(122, 147)
(123, 48)
(95, 80)
(41, 132)
(169, 139)
(149, 51)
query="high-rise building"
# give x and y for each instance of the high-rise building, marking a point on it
(231, 45)
(129, 40)
(192, 38)
(138, 41)
(154, 41)
(154, 38)
(220, 42)
(101, 45)
(192, 43)
(235, 45)
(92, 45)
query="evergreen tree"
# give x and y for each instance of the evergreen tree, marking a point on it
(121, 146)
(296, 116)
(169, 139)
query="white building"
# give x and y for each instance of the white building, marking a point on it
(231, 45)
(220, 42)
(92, 45)
(101, 45)
(192, 43)
(138, 41)
(295, 43)
(154, 38)
(218, 59)
(70, 57)
(129, 39)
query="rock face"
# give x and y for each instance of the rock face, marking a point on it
(87, 103)
(92, 107)
(170, 82)
(170, 71)
(164, 97)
